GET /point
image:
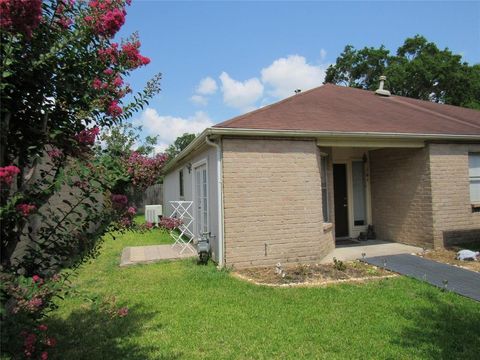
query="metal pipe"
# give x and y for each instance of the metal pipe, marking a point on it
(219, 200)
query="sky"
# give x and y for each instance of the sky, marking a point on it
(221, 59)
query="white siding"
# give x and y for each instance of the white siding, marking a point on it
(171, 189)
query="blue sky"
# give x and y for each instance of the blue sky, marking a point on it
(255, 53)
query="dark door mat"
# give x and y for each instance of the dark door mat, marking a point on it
(458, 280)
(346, 242)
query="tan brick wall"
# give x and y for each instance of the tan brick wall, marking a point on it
(273, 204)
(453, 219)
(401, 195)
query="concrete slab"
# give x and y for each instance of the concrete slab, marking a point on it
(153, 253)
(449, 277)
(370, 248)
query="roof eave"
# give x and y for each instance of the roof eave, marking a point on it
(219, 131)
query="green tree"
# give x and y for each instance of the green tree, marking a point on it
(61, 83)
(419, 69)
(179, 144)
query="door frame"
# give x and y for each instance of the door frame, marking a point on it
(347, 193)
(354, 231)
(196, 165)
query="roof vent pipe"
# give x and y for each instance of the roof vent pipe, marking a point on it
(381, 91)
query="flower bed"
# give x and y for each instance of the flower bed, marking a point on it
(312, 274)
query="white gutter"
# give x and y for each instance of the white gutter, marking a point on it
(219, 200)
(339, 134)
(199, 140)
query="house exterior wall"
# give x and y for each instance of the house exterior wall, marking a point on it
(402, 195)
(273, 202)
(453, 219)
(171, 190)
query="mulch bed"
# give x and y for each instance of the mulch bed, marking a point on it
(447, 256)
(312, 274)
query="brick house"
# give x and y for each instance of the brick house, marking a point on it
(283, 182)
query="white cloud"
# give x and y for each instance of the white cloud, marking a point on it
(241, 95)
(285, 75)
(199, 100)
(207, 86)
(168, 128)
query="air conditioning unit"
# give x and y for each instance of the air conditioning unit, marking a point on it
(153, 213)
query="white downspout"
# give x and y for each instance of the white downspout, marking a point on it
(219, 200)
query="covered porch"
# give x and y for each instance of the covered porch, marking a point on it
(375, 190)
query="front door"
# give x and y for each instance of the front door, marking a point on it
(201, 200)
(340, 199)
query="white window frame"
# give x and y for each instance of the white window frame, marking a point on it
(324, 185)
(471, 178)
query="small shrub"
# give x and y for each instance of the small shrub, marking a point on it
(339, 265)
(170, 223)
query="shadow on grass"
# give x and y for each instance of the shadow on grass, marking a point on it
(92, 334)
(442, 329)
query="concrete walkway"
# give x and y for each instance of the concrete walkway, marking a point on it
(452, 278)
(370, 248)
(148, 254)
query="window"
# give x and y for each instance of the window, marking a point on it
(323, 172)
(180, 178)
(474, 174)
(359, 204)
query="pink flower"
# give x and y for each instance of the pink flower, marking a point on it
(44, 355)
(20, 16)
(97, 84)
(106, 17)
(122, 312)
(42, 327)
(108, 71)
(145, 170)
(170, 223)
(7, 174)
(119, 201)
(118, 81)
(109, 54)
(113, 109)
(55, 154)
(62, 19)
(132, 210)
(87, 136)
(125, 222)
(25, 209)
(29, 344)
(51, 342)
(132, 55)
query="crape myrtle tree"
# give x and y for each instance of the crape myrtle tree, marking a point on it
(62, 81)
(419, 69)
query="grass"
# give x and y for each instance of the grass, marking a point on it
(180, 310)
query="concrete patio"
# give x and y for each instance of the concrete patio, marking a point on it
(149, 254)
(370, 248)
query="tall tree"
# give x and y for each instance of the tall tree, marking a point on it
(419, 69)
(179, 144)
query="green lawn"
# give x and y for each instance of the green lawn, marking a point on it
(180, 310)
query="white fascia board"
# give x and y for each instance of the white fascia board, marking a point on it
(327, 138)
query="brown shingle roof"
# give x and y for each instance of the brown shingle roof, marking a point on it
(343, 109)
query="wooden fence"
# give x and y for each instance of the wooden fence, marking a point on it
(153, 195)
